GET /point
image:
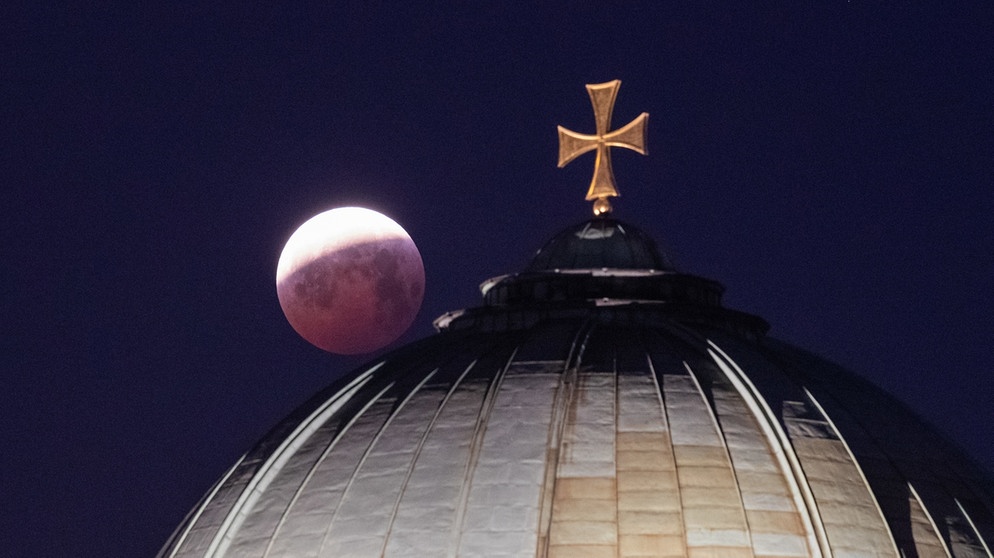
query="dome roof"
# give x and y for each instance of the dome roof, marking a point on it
(589, 412)
(601, 242)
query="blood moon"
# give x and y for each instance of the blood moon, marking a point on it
(350, 280)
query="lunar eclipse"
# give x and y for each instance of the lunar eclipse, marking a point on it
(350, 280)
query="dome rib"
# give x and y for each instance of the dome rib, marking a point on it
(421, 446)
(480, 427)
(783, 451)
(895, 435)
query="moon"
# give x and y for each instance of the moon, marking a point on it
(350, 280)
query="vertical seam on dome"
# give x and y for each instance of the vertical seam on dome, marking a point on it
(417, 452)
(369, 448)
(323, 456)
(859, 469)
(973, 526)
(807, 506)
(713, 413)
(878, 445)
(474, 456)
(267, 471)
(560, 406)
(179, 537)
(931, 520)
(617, 423)
(666, 414)
(669, 431)
(313, 468)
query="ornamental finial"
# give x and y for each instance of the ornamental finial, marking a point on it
(631, 136)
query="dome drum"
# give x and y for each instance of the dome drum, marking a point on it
(612, 311)
(528, 288)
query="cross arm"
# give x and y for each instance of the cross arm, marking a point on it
(631, 135)
(572, 145)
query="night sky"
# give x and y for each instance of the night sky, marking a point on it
(830, 164)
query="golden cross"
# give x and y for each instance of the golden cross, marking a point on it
(631, 136)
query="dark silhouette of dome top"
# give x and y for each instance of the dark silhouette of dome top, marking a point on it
(601, 242)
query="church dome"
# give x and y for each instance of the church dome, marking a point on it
(599, 403)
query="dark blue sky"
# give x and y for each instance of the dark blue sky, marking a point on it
(830, 164)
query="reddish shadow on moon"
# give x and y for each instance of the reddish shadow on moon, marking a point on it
(355, 298)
